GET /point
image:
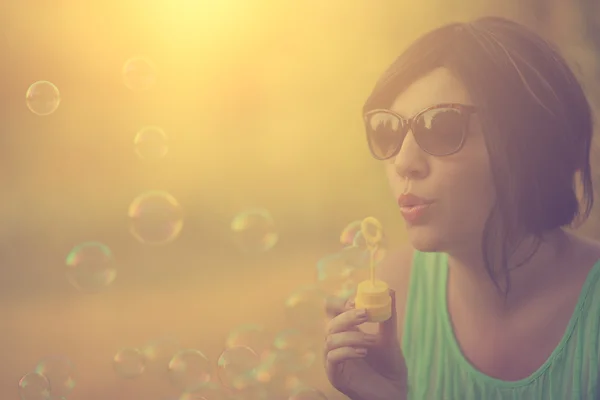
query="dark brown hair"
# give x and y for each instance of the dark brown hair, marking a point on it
(536, 120)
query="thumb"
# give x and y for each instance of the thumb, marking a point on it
(389, 328)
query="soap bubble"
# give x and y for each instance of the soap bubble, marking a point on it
(90, 267)
(360, 245)
(335, 276)
(305, 309)
(60, 373)
(271, 371)
(295, 349)
(274, 374)
(359, 240)
(284, 384)
(156, 218)
(205, 391)
(254, 337)
(159, 352)
(42, 98)
(139, 73)
(350, 232)
(236, 366)
(129, 363)
(371, 236)
(189, 368)
(151, 143)
(254, 231)
(359, 255)
(268, 368)
(34, 386)
(307, 394)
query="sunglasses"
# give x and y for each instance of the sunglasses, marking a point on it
(439, 130)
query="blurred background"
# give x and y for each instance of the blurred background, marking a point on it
(201, 110)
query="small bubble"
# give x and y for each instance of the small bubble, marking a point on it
(359, 240)
(254, 337)
(189, 368)
(335, 276)
(151, 143)
(271, 371)
(284, 384)
(139, 74)
(34, 386)
(42, 98)
(273, 376)
(356, 249)
(254, 231)
(349, 233)
(359, 256)
(91, 267)
(236, 364)
(296, 350)
(60, 373)
(156, 218)
(129, 363)
(305, 309)
(159, 352)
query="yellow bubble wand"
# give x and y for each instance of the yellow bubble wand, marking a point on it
(373, 295)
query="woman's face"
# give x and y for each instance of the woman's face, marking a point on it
(459, 185)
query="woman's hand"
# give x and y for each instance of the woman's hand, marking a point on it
(360, 365)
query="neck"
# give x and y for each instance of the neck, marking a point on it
(470, 284)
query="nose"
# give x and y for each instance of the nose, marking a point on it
(411, 160)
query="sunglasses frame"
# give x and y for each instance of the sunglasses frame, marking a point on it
(408, 126)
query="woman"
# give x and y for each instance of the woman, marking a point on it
(485, 136)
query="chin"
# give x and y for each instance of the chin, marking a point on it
(424, 238)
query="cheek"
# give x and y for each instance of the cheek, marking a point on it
(468, 192)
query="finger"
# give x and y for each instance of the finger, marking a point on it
(350, 339)
(350, 304)
(389, 328)
(347, 320)
(344, 354)
(334, 306)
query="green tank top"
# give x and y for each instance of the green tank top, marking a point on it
(438, 370)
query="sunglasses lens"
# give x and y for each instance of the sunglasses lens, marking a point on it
(385, 133)
(440, 131)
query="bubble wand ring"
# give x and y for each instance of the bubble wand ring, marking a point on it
(372, 231)
(369, 224)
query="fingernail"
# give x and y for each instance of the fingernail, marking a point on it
(362, 313)
(361, 352)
